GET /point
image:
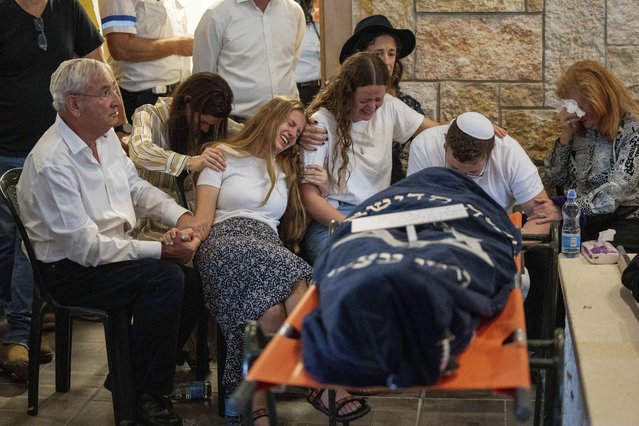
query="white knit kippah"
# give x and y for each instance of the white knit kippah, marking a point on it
(476, 125)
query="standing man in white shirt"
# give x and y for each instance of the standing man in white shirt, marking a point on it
(149, 48)
(255, 46)
(499, 166)
(79, 195)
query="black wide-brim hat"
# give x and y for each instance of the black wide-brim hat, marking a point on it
(378, 24)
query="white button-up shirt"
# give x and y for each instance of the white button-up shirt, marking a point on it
(77, 208)
(256, 52)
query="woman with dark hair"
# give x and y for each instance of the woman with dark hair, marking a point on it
(597, 153)
(167, 137)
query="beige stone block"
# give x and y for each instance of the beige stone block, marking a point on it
(426, 94)
(399, 12)
(574, 30)
(535, 6)
(456, 98)
(623, 22)
(536, 130)
(521, 94)
(479, 48)
(469, 5)
(624, 62)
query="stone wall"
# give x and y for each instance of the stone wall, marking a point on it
(502, 57)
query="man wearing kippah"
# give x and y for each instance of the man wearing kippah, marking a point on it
(499, 166)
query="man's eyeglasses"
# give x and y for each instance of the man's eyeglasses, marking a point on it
(471, 175)
(42, 39)
(109, 91)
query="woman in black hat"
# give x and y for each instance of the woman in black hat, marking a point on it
(375, 34)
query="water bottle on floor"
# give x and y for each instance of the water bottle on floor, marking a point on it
(188, 391)
(570, 230)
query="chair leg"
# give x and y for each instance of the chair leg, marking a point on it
(220, 360)
(63, 331)
(35, 339)
(116, 331)
(202, 347)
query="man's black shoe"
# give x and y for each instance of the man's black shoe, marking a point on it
(155, 410)
(107, 383)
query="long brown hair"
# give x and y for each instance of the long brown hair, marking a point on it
(602, 90)
(204, 93)
(359, 70)
(257, 138)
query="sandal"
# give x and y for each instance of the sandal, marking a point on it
(314, 397)
(258, 414)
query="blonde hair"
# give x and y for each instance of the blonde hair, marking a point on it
(257, 138)
(601, 90)
(359, 70)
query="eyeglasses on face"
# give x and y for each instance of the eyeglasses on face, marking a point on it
(109, 91)
(472, 175)
(42, 39)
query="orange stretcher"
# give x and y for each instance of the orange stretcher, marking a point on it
(496, 359)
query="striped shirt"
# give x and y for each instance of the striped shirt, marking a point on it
(149, 145)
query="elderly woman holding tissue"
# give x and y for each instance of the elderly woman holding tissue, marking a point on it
(597, 153)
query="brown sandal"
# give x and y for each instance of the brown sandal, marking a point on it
(258, 414)
(314, 397)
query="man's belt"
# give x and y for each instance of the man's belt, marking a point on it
(164, 89)
(312, 83)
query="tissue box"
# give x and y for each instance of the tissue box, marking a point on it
(599, 252)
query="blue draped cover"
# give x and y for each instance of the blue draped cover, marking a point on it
(395, 316)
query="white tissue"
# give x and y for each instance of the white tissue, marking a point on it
(570, 105)
(607, 235)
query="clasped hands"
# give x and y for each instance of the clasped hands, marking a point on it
(179, 243)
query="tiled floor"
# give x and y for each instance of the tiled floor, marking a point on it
(88, 403)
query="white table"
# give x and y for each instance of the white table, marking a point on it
(601, 385)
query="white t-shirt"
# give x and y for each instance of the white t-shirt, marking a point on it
(369, 161)
(510, 177)
(146, 19)
(243, 186)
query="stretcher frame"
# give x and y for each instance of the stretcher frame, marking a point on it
(496, 359)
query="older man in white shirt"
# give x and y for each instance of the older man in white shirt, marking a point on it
(255, 45)
(79, 198)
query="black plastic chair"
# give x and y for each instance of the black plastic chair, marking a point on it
(202, 359)
(116, 329)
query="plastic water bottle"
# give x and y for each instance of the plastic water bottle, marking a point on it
(570, 230)
(188, 391)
